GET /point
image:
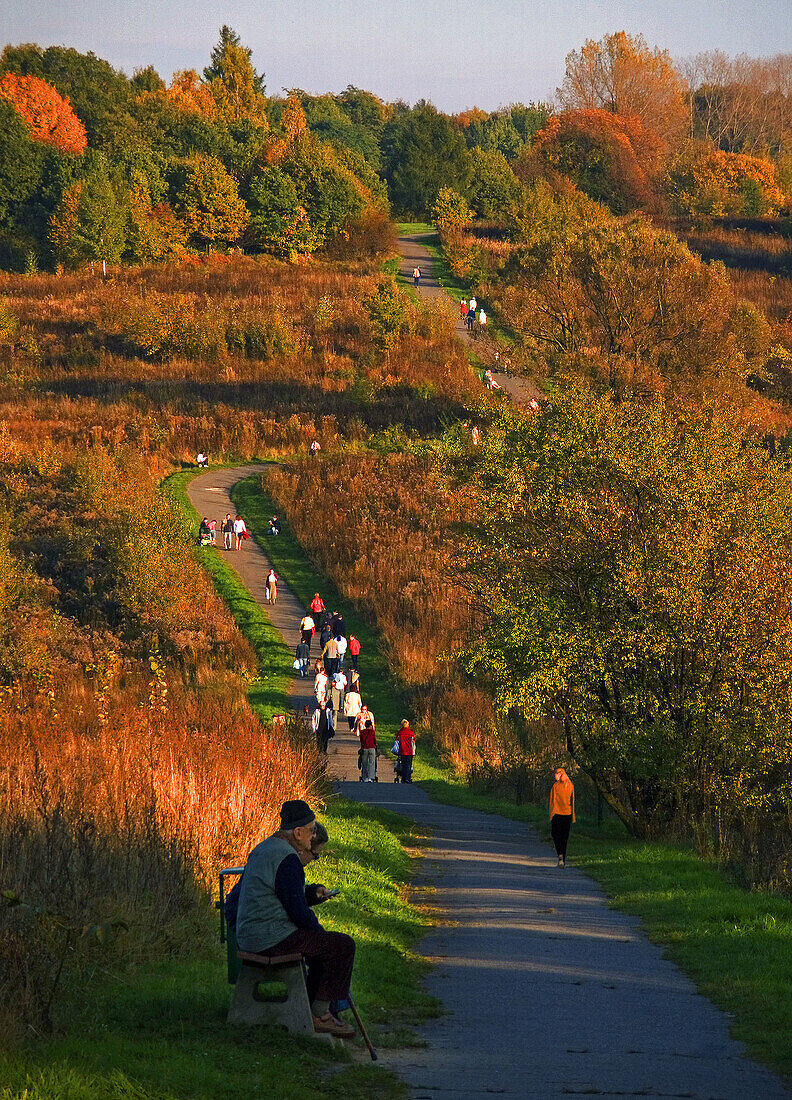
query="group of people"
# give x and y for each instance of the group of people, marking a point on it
(467, 315)
(233, 529)
(337, 692)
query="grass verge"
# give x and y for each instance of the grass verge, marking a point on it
(158, 1032)
(735, 944)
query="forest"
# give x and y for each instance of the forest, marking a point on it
(203, 265)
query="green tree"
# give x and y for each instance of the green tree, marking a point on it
(422, 152)
(387, 312)
(20, 161)
(206, 198)
(90, 222)
(493, 187)
(278, 222)
(633, 566)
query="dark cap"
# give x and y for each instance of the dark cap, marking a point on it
(296, 813)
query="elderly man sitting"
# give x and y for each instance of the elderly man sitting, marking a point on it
(275, 916)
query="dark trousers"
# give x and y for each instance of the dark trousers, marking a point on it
(331, 665)
(353, 661)
(306, 637)
(405, 768)
(560, 824)
(330, 957)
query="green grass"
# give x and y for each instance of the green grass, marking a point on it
(292, 564)
(408, 228)
(158, 1032)
(735, 944)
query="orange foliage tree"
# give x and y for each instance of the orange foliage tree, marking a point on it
(620, 74)
(48, 116)
(191, 96)
(612, 159)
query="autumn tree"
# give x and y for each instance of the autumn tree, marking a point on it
(451, 212)
(206, 199)
(237, 88)
(632, 564)
(49, 118)
(625, 305)
(620, 74)
(612, 159)
(741, 104)
(187, 93)
(701, 180)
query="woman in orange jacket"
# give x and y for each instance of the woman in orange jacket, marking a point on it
(562, 813)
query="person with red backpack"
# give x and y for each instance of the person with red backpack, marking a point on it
(354, 651)
(405, 746)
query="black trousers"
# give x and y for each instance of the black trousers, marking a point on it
(560, 824)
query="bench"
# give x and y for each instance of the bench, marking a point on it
(271, 990)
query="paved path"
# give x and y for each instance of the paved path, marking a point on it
(415, 254)
(549, 992)
(209, 495)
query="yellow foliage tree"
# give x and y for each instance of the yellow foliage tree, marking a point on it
(709, 181)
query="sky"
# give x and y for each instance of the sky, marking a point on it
(456, 53)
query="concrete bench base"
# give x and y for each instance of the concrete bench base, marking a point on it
(255, 1000)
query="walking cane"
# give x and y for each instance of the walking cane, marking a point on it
(366, 1039)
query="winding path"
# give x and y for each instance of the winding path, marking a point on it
(415, 254)
(549, 991)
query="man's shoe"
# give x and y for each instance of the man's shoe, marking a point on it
(331, 1025)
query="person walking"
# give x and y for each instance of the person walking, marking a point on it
(416, 276)
(330, 655)
(307, 626)
(323, 726)
(271, 586)
(228, 531)
(364, 715)
(405, 740)
(562, 813)
(482, 322)
(240, 531)
(463, 309)
(368, 753)
(316, 606)
(301, 655)
(352, 706)
(320, 684)
(341, 642)
(470, 319)
(354, 652)
(338, 686)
